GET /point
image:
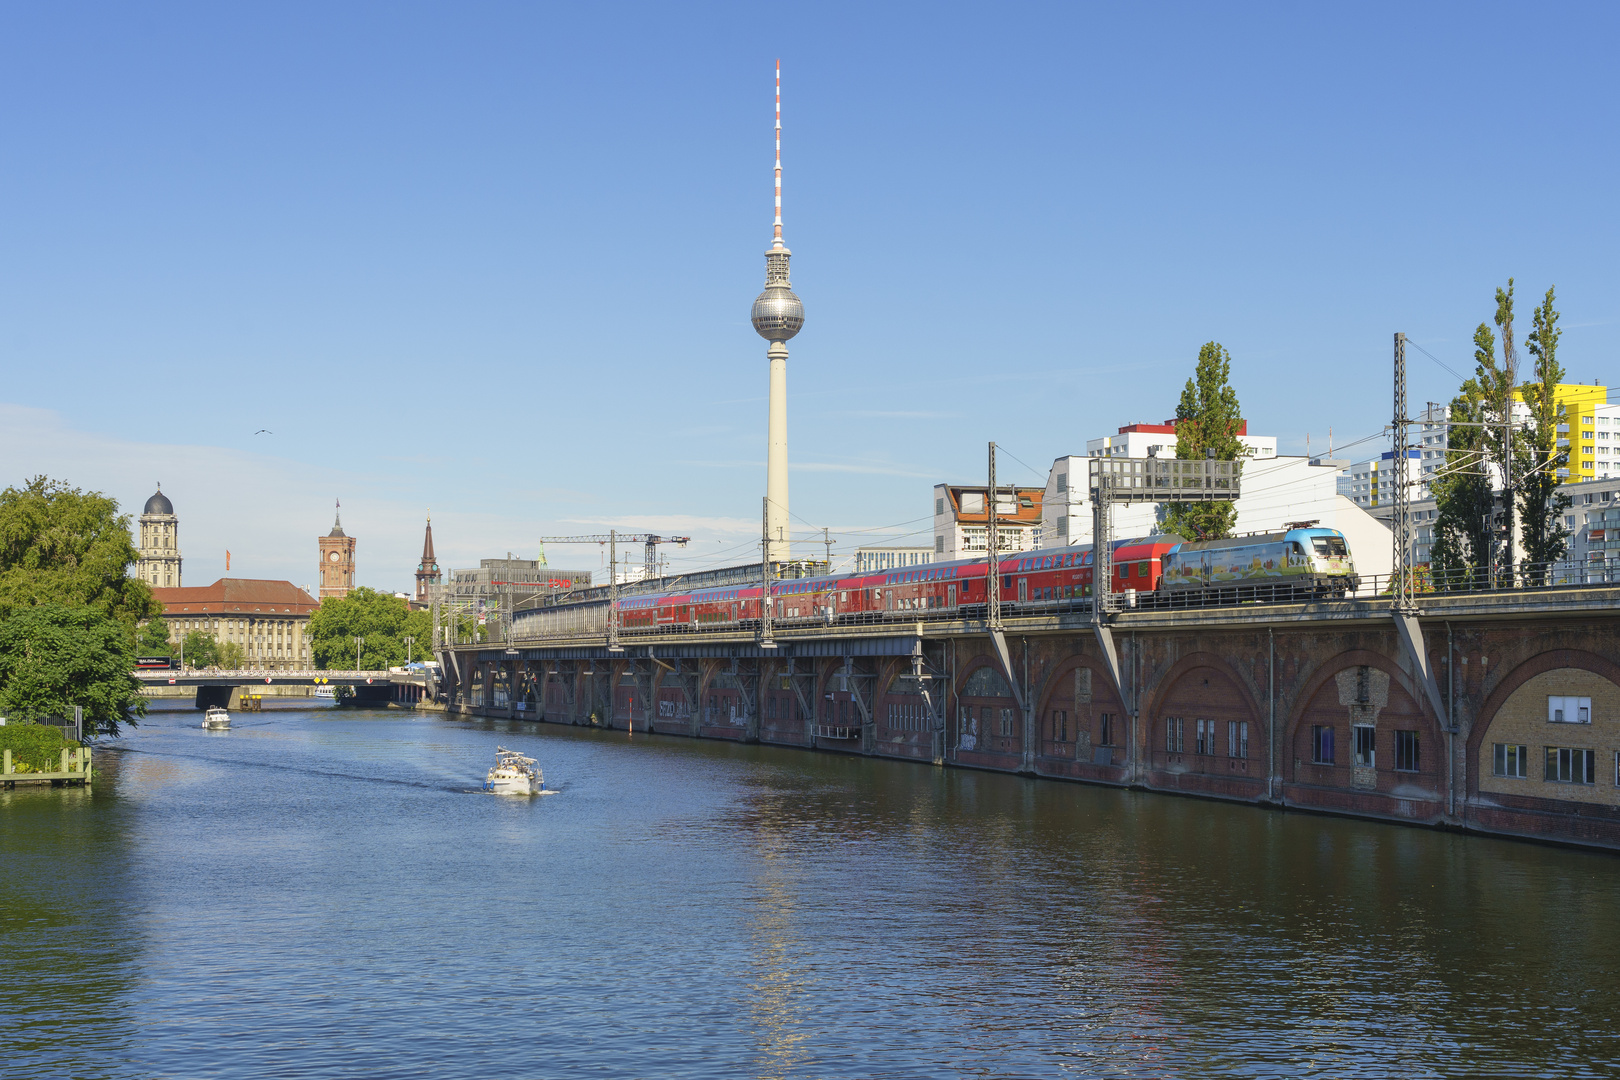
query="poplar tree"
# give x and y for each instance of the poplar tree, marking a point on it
(1460, 555)
(1541, 503)
(1208, 418)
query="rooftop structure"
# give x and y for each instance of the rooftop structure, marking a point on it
(889, 557)
(1159, 440)
(962, 520)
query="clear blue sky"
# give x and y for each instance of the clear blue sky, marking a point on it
(497, 260)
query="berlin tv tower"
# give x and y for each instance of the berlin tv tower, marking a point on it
(777, 316)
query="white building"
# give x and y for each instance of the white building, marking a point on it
(1144, 440)
(868, 559)
(962, 519)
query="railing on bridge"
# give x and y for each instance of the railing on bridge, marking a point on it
(1531, 579)
(266, 674)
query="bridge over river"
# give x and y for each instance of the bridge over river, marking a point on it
(215, 687)
(1492, 711)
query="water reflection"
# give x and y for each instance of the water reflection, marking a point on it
(320, 885)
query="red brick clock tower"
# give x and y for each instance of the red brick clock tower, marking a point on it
(337, 560)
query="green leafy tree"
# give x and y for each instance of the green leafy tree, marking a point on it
(199, 650)
(1208, 418)
(1541, 503)
(231, 656)
(53, 657)
(60, 545)
(383, 619)
(1460, 555)
(154, 638)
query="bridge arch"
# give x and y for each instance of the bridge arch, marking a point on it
(1078, 707)
(1205, 731)
(1518, 713)
(1323, 749)
(987, 722)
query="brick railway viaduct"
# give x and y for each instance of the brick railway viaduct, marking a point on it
(1330, 706)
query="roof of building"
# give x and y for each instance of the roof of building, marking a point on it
(232, 595)
(1026, 504)
(159, 503)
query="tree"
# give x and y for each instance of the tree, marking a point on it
(382, 619)
(1460, 555)
(53, 657)
(153, 639)
(199, 650)
(231, 656)
(1208, 418)
(1541, 503)
(60, 545)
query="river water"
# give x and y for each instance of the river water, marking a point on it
(320, 893)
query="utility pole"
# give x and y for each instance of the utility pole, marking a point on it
(409, 641)
(613, 592)
(992, 572)
(765, 603)
(826, 538)
(1402, 592)
(359, 641)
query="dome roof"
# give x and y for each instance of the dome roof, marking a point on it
(159, 504)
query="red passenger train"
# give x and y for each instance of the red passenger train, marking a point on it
(1028, 577)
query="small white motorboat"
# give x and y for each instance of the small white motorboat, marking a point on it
(514, 774)
(216, 719)
(326, 691)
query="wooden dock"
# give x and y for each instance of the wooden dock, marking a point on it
(75, 769)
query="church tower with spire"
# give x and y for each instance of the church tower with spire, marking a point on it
(427, 571)
(337, 559)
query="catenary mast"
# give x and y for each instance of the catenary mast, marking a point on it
(777, 316)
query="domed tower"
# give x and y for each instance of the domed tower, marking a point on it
(777, 316)
(159, 564)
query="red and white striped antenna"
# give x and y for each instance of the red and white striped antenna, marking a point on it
(777, 242)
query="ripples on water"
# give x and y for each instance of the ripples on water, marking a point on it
(316, 893)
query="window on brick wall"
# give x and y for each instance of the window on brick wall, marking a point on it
(1106, 730)
(1508, 759)
(1237, 738)
(1006, 722)
(1321, 745)
(1569, 710)
(1206, 736)
(1567, 765)
(1060, 725)
(1366, 746)
(1173, 731)
(1406, 751)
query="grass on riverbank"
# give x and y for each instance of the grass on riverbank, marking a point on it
(34, 747)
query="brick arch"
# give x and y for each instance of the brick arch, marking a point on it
(1081, 721)
(1406, 708)
(1226, 700)
(980, 736)
(1540, 664)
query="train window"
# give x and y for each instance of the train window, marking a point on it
(1328, 545)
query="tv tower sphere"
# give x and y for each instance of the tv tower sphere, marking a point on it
(778, 312)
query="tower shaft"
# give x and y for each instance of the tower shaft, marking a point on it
(776, 458)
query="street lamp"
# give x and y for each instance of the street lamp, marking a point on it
(359, 641)
(409, 641)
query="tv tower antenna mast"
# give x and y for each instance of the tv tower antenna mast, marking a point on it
(777, 316)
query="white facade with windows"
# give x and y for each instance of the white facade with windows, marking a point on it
(869, 559)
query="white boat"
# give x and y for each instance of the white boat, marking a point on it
(514, 774)
(216, 718)
(326, 691)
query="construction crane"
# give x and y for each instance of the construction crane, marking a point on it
(615, 538)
